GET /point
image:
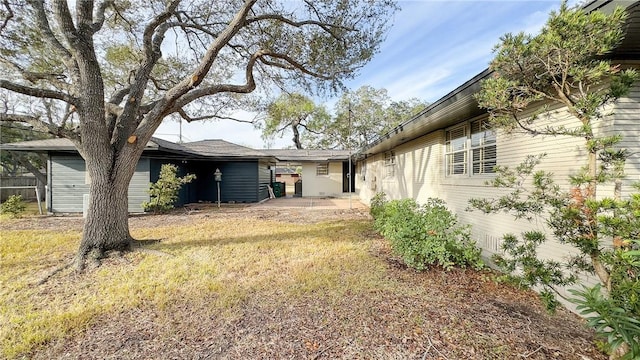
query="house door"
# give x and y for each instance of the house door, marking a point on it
(345, 177)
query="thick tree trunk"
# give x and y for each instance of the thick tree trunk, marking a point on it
(106, 227)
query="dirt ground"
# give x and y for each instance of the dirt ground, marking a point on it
(461, 314)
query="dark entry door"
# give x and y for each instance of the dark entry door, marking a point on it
(345, 177)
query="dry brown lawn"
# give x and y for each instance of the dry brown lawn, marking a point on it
(245, 283)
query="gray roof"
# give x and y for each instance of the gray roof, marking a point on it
(302, 155)
(205, 148)
(283, 170)
(222, 148)
(62, 144)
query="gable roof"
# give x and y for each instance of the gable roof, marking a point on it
(302, 155)
(460, 104)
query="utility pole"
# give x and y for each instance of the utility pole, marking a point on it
(349, 175)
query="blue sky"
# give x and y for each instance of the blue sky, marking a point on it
(432, 48)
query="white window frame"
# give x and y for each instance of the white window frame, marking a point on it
(322, 169)
(389, 164)
(470, 150)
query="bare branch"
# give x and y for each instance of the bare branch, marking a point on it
(9, 15)
(42, 126)
(36, 92)
(43, 24)
(247, 87)
(119, 95)
(324, 26)
(290, 64)
(33, 77)
(149, 31)
(65, 21)
(189, 119)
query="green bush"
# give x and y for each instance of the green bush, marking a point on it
(377, 204)
(164, 192)
(425, 235)
(13, 206)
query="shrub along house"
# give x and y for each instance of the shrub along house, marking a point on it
(245, 172)
(448, 151)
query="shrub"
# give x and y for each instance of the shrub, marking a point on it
(164, 192)
(424, 235)
(377, 204)
(13, 206)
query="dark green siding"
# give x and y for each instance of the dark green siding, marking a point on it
(69, 184)
(264, 179)
(241, 180)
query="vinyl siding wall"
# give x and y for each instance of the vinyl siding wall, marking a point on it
(419, 172)
(69, 184)
(264, 179)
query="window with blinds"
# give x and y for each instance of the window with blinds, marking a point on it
(390, 164)
(456, 151)
(483, 148)
(470, 149)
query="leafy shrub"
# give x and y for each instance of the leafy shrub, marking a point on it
(13, 206)
(605, 232)
(377, 204)
(424, 235)
(164, 192)
(615, 323)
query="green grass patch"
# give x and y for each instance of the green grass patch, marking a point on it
(218, 262)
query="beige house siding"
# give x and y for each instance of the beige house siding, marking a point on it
(419, 172)
(627, 123)
(322, 185)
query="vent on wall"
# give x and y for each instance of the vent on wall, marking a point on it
(492, 243)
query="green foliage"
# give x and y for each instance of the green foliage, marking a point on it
(620, 327)
(425, 235)
(164, 192)
(13, 206)
(361, 116)
(561, 65)
(378, 203)
(296, 112)
(586, 224)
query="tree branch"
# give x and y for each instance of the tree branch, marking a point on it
(99, 17)
(9, 15)
(36, 92)
(43, 126)
(247, 87)
(65, 21)
(190, 119)
(43, 24)
(292, 64)
(33, 77)
(326, 27)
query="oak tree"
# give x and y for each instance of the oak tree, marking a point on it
(118, 68)
(296, 112)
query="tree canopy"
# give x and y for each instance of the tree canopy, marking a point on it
(296, 112)
(118, 68)
(361, 116)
